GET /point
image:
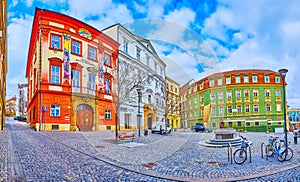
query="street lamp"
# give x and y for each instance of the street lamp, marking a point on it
(139, 88)
(283, 73)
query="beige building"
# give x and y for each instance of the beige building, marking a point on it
(172, 109)
(3, 57)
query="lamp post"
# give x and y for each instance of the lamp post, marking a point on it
(139, 88)
(283, 73)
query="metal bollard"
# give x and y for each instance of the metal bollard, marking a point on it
(250, 155)
(229, 151)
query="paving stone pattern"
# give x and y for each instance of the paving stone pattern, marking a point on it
(96, 156)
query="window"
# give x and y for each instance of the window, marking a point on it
(256, 123)
(211, 83)
(279, 123)
(56, 42)
(92, 53)
(201, 99)
(201, 85)
(155, 67)
(268, 107)
(239, 109)
(238, 94)
(220, 81)
(269, 123)
(125, 46)
(55, 74)
(149, 99)
(247, 108)
(107, 60)
(228, 94)
(221, 110)
(75, 78)
(214, 125)
(246, 93)
(228, 79)
(107, 114)
(212, 96)
(230, 124)
(107, 86)
(246, 79)
(195, 88)
(277, 93)
(220, 95)
(255, 93)
(147, 60)
(267, 93)
(55, 110)
(278, 107)
(138, 53)
(277, 79)
(229, 109)
(254, 78)
(237, 79)
(247, 123)
(267, 79)
(92, 83)
(213, 110)
(255, 108)
(239, 123)
(76, 47)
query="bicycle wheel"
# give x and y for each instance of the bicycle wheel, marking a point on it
(269, 151)
(240, 156)
(281, 157)
(289, 154)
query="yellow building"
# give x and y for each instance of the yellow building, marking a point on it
(3, 58)
(172, 101)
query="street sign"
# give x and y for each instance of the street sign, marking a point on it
(45, 108)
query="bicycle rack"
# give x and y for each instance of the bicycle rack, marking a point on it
(262, 152)
(229, 151)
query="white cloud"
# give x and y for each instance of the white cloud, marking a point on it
(29, 3)
(19, 32)
(108, 12)
(268, 38)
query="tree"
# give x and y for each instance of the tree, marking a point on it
(127, 76)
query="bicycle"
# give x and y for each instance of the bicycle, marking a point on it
(277, 147)
(240, 155)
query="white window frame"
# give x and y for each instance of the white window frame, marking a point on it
(55, 110)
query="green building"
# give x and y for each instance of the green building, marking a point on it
(247, 100)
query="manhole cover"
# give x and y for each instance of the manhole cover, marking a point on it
(150, 165)
(217, 163)
(99, 146)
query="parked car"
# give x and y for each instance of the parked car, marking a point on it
(23, 118)
(199, 127)
(159, 127)
(17, 118)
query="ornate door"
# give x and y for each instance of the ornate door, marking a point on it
(84, 115)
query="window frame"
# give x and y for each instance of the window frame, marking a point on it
(80, 47)
(51, 42)
(89, 51)
(105, 90)
(254, 79)
(51, 74)
(108, 114)
(51, 109)
(107, 57)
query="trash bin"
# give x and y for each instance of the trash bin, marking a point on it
(146, 132)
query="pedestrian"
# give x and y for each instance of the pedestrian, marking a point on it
(296, 133)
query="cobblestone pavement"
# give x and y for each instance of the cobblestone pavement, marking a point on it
(96, 156)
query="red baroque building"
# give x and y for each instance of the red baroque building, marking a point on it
(68, 88)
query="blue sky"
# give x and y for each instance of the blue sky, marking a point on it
(194, 37)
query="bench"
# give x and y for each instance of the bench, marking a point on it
(126, 135)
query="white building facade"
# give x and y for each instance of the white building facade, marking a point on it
(138, 65)
(21, 103)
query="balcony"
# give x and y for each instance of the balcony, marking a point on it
(83, 90)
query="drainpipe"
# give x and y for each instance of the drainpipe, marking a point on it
(40, 72)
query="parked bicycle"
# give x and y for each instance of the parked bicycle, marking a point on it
(240, 155)
(277, 148)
